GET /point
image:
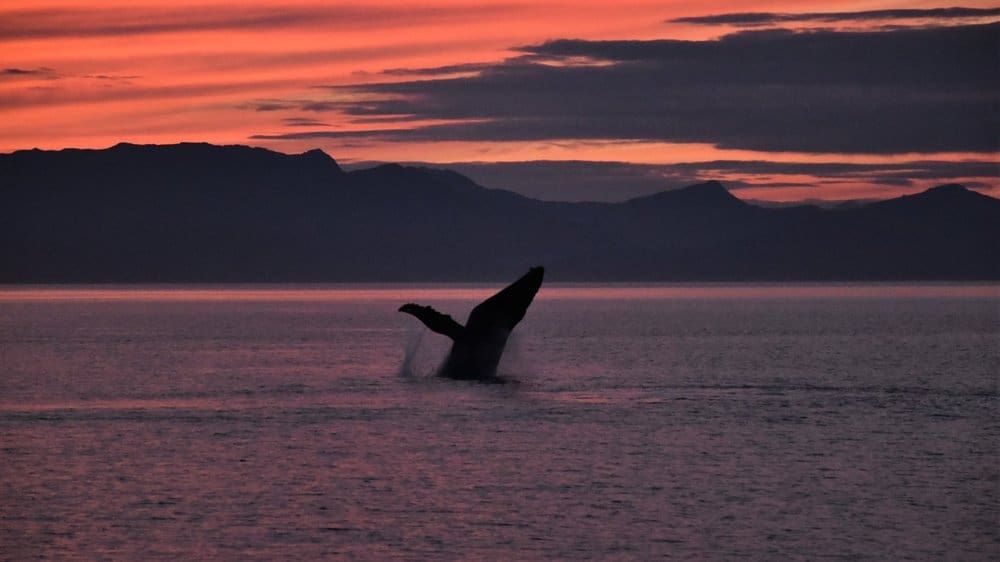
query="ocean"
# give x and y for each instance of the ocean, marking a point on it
(720, 422)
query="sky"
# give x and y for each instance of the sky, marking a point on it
(563, 100)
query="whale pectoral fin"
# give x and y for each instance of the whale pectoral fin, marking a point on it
(437, 322)
(506, 308)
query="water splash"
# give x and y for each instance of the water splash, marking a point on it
(412, 346)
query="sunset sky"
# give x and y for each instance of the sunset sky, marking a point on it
(783, 100)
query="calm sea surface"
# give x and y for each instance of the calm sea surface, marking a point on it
(302, 423)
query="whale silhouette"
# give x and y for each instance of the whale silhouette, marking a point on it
(477, 346)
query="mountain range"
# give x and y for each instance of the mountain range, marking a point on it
(196, 212)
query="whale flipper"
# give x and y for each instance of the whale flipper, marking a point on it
(478, 345)
(437, 322)
(506, 308)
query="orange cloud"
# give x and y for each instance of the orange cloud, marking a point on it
(96, 73)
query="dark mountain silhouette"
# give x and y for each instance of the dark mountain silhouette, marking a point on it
(204, 213)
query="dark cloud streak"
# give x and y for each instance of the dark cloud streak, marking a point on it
(271, 106)
(437, 70)
(755, 19)
(48, 23)
(40, 71)
(113, 77)
(303, 122)
(914, 90)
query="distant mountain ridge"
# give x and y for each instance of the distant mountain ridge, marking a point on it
(196, 212)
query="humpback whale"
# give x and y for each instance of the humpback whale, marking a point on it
(477, 346)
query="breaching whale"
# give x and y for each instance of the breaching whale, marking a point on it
(477, 346)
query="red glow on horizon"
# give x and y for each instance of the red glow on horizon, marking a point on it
(475, 292)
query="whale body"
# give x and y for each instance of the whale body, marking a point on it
(478, 346)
